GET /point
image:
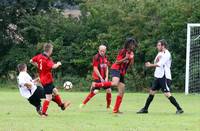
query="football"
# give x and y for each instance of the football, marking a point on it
(67, 85)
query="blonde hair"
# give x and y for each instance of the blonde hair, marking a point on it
(47, 47)
(102, 47)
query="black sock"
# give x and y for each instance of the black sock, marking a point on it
(148, 102)
(174, 102)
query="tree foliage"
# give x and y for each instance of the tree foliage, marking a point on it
(103, 21)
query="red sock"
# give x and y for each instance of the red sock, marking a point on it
(117, 103)
(108, 99)
(103, 84)
(58, 100)
(88, 97)
(45, 106)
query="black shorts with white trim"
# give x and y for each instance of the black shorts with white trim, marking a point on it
(161, 83)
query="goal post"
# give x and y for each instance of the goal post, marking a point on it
(192, 74)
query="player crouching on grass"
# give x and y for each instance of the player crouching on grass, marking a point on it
(45, 65)
(100, 74)
(28, 89)
(125, 58)
(162, 74)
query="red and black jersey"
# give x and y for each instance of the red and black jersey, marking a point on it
(45, 65)
(101, 62)
(123, 66)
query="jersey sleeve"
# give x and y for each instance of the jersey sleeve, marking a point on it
(120, 55)
(35, 58)
(95, 62)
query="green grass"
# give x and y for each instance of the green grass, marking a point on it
(16, 114)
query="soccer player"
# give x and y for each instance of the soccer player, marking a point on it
(45, 65)
(162, 74)
(125, 58)
(100, 74)
(28, 89)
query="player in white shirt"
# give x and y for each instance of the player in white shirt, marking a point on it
(162, 74)
(28, 89)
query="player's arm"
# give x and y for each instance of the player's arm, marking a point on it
(28, 85)
(107, 72)
(36, 80)
(122, 60)
(33, 63)
(96, 70)
(56, 65)
(150, 65)
(160, 63)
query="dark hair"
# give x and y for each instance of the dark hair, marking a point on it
(21, 67)
(163, 42)
(130, 41)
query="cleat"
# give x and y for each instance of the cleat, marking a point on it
(109, 107)
(81, 106)
(179, 111)
(117, 112)
(44, 115)
(65, 105)
(142, 111)
(39, 111)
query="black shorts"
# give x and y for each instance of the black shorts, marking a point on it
(161, 83)
(96, 88)
(48, 89)
(35, 99)
(116, 73)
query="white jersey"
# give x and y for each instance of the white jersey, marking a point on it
(23, 78)
(163, 60)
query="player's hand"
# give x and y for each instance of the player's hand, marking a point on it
(102, 80)
(59, 63)
(131, 55)
(127, 56)
(147, 64)
(106, 79)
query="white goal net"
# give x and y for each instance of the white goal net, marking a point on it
(192, 76)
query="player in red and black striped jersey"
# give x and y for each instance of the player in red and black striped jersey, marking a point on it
(118, 70)
(100, 74)
(45, 65)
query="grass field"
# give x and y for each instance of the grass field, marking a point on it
(17, 115)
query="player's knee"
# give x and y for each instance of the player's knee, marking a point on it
(121, 93)
(167, 94)
(151, 92)
(49, 97)
(108, 90)
(55, 91)
(115, 83)
(96, 91)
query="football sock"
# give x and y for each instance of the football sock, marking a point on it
(45, 106)
(174, 102)
(148, 101)
(108, 99)
(117, 103)
(58, 100)
(103, 84)
(90, 95)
